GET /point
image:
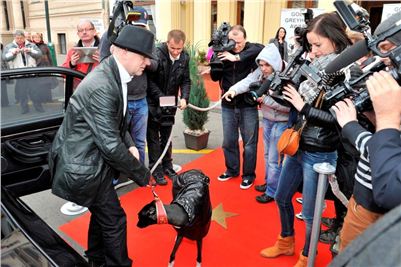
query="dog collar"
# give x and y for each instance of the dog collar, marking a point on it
(161, 212)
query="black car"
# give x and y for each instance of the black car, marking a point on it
(26, 136)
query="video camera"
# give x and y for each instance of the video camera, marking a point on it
(220, 43)
(357, 19)
(300, 32)
(123, 14)
(296, 71)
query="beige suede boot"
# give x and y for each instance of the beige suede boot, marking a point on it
(283, 246)
(302, 261)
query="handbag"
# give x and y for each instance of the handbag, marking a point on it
(288, 143)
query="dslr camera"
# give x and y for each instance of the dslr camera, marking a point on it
(357, 19)
(220, 43)
(167, 116)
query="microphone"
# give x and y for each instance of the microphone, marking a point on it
(348, 56)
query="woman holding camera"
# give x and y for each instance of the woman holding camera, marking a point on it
(319, 139)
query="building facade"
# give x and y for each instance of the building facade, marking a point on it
(197, 18)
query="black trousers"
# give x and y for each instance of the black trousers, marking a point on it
(107, 236)
(157, 137)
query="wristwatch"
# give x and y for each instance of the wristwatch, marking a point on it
(237, 57)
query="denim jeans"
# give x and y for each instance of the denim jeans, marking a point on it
(272, 131)
(246, 120)
(138, 110)
(295, 169)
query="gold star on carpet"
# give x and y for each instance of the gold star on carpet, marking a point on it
(219, 215)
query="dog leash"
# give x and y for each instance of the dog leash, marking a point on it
(161, 213)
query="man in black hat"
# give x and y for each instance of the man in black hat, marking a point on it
(137, 104)
(93, 145)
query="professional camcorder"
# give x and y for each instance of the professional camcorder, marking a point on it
(357, 19)
(296, 71)
(220, 43)
(123, 14)
(300, 32)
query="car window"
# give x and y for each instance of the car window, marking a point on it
(26, 99)
(17, 250)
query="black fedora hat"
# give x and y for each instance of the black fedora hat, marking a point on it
(136, 39)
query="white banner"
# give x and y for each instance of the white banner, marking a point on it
(390, 9)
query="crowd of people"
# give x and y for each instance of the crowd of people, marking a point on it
(115, 111)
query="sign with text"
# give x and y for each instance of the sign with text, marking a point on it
(293, 17)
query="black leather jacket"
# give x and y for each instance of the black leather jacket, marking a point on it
(320, 133)
(168, 79)
(91, 146)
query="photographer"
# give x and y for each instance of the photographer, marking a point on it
(171, 77)
(385, 145)
(319, 139)
(375, 192)
(275, 117)
(21, 53)
(237, 114)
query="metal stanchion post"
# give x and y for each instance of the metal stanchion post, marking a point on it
(324, 170)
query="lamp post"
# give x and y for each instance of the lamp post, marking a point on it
(49, 35)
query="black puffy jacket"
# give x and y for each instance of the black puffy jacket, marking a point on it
(91, 146)
(191, 192)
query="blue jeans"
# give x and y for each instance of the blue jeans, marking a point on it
(138, 110)
(295, 169)
(247, 121)
(272, 131)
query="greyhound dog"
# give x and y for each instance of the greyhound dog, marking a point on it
(190, 211)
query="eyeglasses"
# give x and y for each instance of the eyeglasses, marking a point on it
(85, 30)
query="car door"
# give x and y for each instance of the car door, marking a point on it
(33, 103)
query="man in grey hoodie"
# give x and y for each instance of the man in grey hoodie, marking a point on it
(275, 116)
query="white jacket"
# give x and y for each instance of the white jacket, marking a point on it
(16, 61)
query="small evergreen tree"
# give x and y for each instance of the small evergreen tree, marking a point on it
(193, 119)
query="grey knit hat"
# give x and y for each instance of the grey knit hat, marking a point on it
(391, 22)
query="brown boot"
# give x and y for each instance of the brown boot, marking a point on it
(283, 246)
(302, 261)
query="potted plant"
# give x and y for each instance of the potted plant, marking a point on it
(196, 135)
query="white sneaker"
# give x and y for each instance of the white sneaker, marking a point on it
(299, 216)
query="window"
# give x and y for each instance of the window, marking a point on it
(62, 43)
(6, 19)
(303, 4)
(23, 14)
(214, 17)
(27, 99)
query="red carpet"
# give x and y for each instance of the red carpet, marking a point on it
(255, 227)
(212, 88)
